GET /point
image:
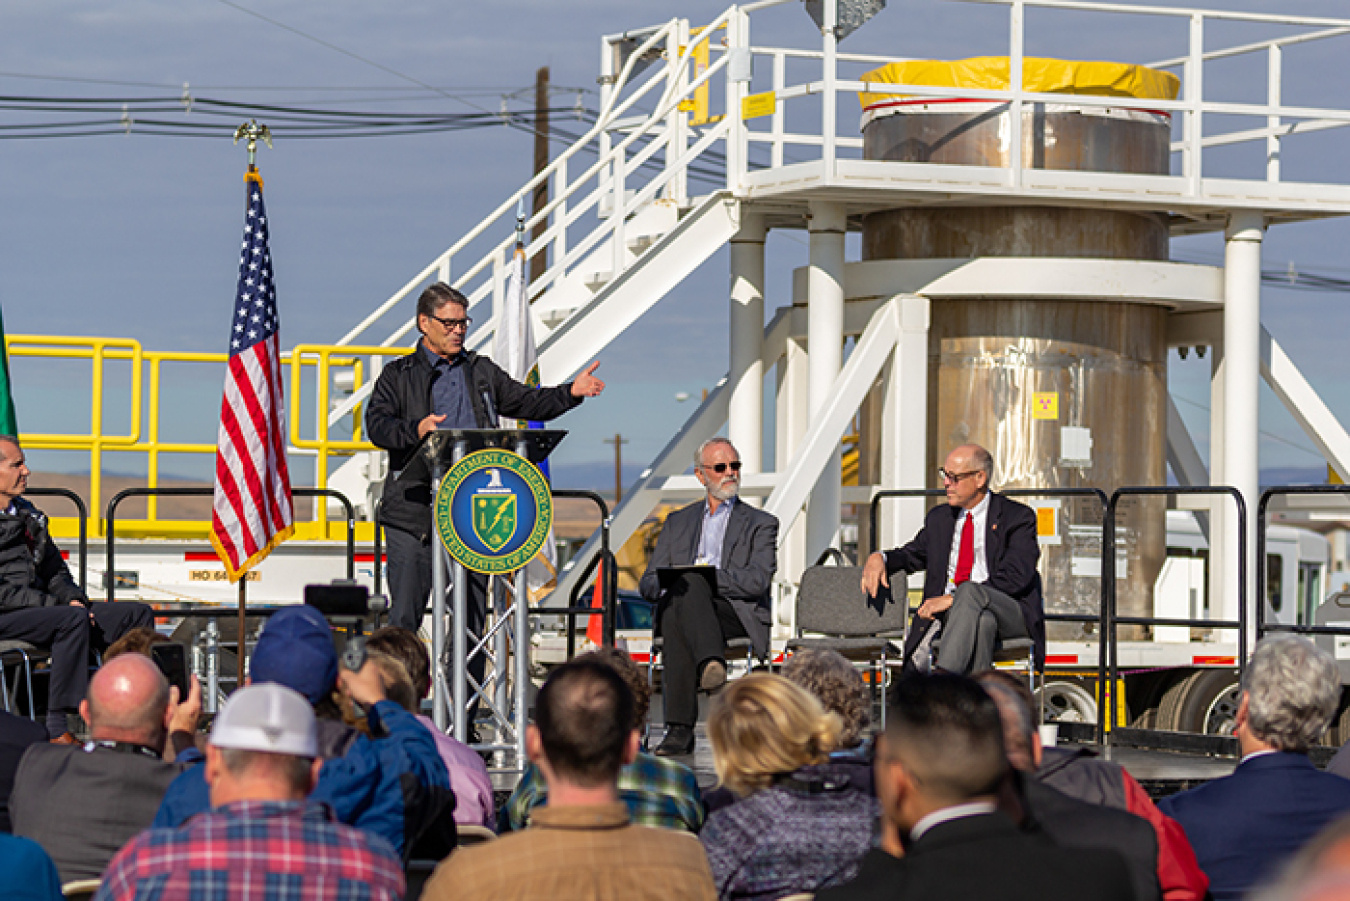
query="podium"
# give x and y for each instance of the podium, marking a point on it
(436, 456)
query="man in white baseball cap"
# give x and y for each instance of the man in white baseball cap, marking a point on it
(261, 764)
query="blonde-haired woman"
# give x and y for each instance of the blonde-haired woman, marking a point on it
(799, 825)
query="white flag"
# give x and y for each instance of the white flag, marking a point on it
(513, 350)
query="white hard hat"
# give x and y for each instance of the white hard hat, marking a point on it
(267, 717)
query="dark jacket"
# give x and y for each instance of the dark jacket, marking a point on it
(1071, 823)
(1010, 551)
(402, 398)
(17, 734)
(32, 573)
(985, 856)
(1079, 774)
(1244, 827)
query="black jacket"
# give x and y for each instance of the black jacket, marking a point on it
(986, 857)
(1071, 823)
(402, 398)
(32, 573)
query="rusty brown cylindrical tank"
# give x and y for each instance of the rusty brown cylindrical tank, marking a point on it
(1036, 380)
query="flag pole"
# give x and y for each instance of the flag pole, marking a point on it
(239, 658)
(250, 131)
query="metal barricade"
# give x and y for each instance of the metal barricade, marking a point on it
(83, 525)
(1262, 627)
(204, 491)
(1113, 620)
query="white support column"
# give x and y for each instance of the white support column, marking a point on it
(904, 425)
(1242, 385)
(825, 343)
(793, 411)
(745, 376)
(1221, 509)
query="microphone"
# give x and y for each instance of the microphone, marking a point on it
(490, 407)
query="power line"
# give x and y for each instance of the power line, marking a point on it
(1271, 435)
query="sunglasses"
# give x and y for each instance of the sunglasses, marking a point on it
(719, 468)
(955, 477)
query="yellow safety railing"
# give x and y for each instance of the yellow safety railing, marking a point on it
(309, 364)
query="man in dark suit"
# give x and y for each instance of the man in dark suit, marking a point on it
(939, 768)
(694, 621)
(979, 552)
(1244, 827)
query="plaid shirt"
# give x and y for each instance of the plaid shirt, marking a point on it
(657, 791)
(262, 850)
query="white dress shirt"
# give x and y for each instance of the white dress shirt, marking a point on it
(980, 571)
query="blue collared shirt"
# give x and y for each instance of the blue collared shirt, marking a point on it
(450, 392)
(714, 529)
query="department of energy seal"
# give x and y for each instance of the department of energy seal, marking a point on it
(493, 511)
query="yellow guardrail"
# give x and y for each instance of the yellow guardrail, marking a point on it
(310, 366)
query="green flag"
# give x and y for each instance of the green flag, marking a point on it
(9, 424)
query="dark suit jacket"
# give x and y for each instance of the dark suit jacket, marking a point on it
(749, 560)
(986, 857)
(16, 735)
(1071, 823)
(1010, 551)
(1244, 826)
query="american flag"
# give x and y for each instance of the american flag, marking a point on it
(252, 508)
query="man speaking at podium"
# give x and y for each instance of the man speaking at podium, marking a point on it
(693, 619)
(440, 385)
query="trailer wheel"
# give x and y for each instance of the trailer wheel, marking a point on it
(1067, 702)
(1205, 702)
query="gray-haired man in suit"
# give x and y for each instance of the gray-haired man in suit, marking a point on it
(742, 542)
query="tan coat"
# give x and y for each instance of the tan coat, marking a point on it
(581, 853)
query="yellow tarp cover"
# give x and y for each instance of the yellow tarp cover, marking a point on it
(1039, 75)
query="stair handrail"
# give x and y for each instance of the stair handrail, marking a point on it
(674, 92)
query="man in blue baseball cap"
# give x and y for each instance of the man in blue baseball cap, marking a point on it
(390, 782)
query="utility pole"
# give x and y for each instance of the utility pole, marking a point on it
(539, 263)
(618, 441)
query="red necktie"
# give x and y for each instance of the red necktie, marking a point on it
(965, 556)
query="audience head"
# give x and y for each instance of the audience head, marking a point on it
(410, 650)
(1290, 693)
(619, 661)
(837, 685)
(583, 729)
(398, 685)
(264, 747)
(136, 641)
(128, 701)
(1319, 872)
(762, 726)
(943, 746)
(1015, 705)
(296, 650)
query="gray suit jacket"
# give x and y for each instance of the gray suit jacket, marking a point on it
(83, 804)
(749, 560)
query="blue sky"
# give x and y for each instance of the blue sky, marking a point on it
(134, 236)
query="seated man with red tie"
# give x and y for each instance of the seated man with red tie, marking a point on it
(979, 552)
